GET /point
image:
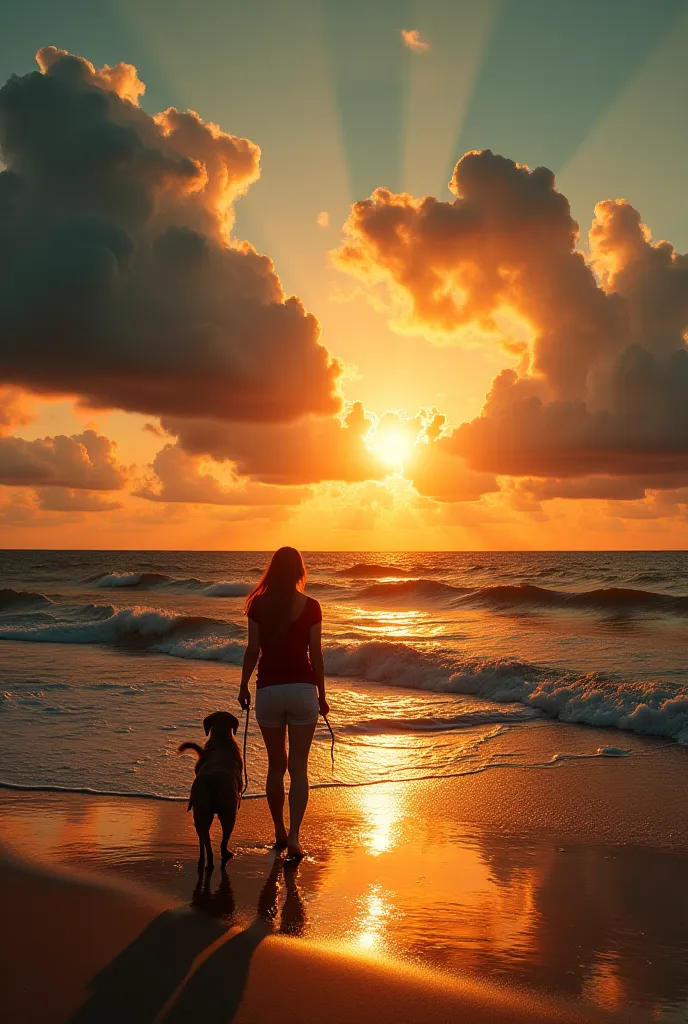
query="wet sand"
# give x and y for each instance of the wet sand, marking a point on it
(565, 884)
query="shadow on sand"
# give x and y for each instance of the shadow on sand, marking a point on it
(188, 964)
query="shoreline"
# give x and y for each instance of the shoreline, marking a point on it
(567, 883)
(557, 755)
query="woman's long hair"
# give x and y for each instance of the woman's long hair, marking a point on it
(275, 591)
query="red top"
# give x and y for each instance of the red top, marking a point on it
(286, 660)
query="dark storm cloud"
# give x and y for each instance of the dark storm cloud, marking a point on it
(118, 280)
(605, 387)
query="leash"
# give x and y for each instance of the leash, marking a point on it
(248, 715)
(327, 723)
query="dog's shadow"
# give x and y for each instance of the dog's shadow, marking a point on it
(186, 964)
(149, 979)
(219, 904)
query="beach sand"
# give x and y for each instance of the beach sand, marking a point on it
(515, 894)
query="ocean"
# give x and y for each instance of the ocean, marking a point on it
(439, 664)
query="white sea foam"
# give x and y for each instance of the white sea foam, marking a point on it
(659, 709)
(128, 623)
(652, 708)
(120, 579)
(204, 649)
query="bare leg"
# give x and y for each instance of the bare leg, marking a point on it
(276, 745)
(300, 739)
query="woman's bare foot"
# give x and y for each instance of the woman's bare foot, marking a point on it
(295, 850)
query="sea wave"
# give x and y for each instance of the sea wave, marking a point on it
(467, 720)
(432, 590)
(650, 708)
(11, 600)
(132, 579)
(151, 580)
(653, 708)
(128, 625)
(609, 599)
(376, 570)
(228, 590)
(507, 597)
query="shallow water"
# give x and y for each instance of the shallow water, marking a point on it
(110, 659)
(395, 871)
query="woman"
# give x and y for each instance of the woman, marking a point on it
(284, 637)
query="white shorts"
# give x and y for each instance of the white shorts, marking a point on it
(287, 704)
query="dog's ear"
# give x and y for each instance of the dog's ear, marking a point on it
(208, 722)
(235, 722)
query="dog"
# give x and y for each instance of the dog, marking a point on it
(216, 790)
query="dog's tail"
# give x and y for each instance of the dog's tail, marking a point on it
(198, 750)
(190, 746)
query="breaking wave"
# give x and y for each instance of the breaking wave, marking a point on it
(654, 708)
(182, 636)
(650, 708)
(150, 580)
(133, 579)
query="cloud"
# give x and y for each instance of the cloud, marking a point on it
(64, 499)
(318, 449)
(86, 461)
(412, 40)
(154, 429)
(175, 476)
(602, 389)
(610, 488)
(323, 219)
(119, 281)
(304, 452)
(437, 473)
(15, 409)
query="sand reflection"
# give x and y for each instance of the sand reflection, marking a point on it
(393, 871)
(383, 808)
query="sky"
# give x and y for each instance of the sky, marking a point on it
(345, 276)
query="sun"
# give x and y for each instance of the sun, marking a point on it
(393, 447)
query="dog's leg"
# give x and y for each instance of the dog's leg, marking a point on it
(203, 818)
(227, 819)
(208, 849)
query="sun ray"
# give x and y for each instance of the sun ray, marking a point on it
(440, 87)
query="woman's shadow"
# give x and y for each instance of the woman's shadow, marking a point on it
(186, 963)
(293, 918)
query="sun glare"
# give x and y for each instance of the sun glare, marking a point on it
(393, 447)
